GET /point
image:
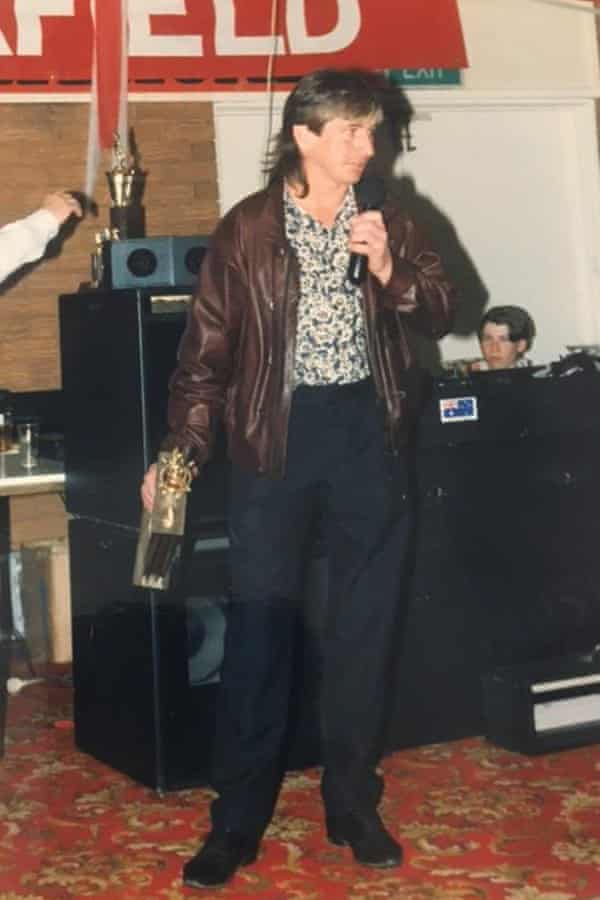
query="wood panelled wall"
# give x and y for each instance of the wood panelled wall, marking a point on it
(43, 148)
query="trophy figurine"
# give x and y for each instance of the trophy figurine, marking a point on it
(125, 183)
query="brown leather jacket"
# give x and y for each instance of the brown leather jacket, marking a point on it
(236, 357)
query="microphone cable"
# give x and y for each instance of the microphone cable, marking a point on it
(269, 83)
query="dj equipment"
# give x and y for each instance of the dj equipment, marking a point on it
(544, 706)
(153, 262)
(506, 563)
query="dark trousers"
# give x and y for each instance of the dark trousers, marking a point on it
(338, 473)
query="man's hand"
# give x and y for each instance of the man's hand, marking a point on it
(62, 205)
(368, 236)
(148, 488)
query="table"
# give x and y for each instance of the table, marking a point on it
(47, 477)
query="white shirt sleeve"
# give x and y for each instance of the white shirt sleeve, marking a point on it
(25, 240)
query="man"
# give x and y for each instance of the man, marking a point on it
(25, 240)
(505, 335)
(307, 371)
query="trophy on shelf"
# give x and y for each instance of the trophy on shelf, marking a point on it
(125, 183)
(127, 215)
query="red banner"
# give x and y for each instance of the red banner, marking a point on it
(46, 45)
(110, 51)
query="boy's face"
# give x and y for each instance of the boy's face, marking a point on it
(498, 349)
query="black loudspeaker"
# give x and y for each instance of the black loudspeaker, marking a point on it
(153, 262)
(139, 705)
(145, 663)
(118, 350)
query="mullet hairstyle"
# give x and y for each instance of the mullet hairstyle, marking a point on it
(317, 99)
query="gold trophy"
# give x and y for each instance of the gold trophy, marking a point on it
(127, 216)
(161, 531)
(125, 183)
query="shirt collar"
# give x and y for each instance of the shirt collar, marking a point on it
(343, 216)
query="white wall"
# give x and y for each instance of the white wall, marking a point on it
(529, 45)
(505, 173)
(518, 181)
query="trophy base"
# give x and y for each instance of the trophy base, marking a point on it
(128, 221)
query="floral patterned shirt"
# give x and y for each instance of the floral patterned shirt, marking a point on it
(331, 346)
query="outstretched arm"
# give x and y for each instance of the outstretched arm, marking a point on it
(25, 240)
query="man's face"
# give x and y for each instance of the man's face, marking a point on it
(338, 155)
(497, 348)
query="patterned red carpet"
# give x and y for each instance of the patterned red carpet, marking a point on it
(476, 822)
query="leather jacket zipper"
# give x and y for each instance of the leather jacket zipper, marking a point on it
(285, 345)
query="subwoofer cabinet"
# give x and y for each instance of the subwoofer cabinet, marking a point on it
(145, 663)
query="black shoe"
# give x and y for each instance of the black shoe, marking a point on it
(378, 788)
(217, 861)
(367, 837)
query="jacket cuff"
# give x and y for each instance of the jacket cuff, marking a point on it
(402, 287)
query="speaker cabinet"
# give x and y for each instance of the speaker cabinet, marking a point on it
(153, 262)
(118, 350)
(146, 663)
(136, 706)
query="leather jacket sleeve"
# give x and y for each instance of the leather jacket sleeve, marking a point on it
(418, 288)
(206, 355)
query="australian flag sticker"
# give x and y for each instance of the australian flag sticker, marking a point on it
(458, 409)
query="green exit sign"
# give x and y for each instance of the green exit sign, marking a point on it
(424, 77)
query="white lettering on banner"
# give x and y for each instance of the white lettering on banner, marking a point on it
(228, 43)
(346, 30)
(28, 14)
(143, 43)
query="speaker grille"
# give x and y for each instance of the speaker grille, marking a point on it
(154, 262)
(142, 263)
(193, 259)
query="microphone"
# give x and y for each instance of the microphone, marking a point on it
(370, 194)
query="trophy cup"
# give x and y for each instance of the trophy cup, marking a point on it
(125, 183)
